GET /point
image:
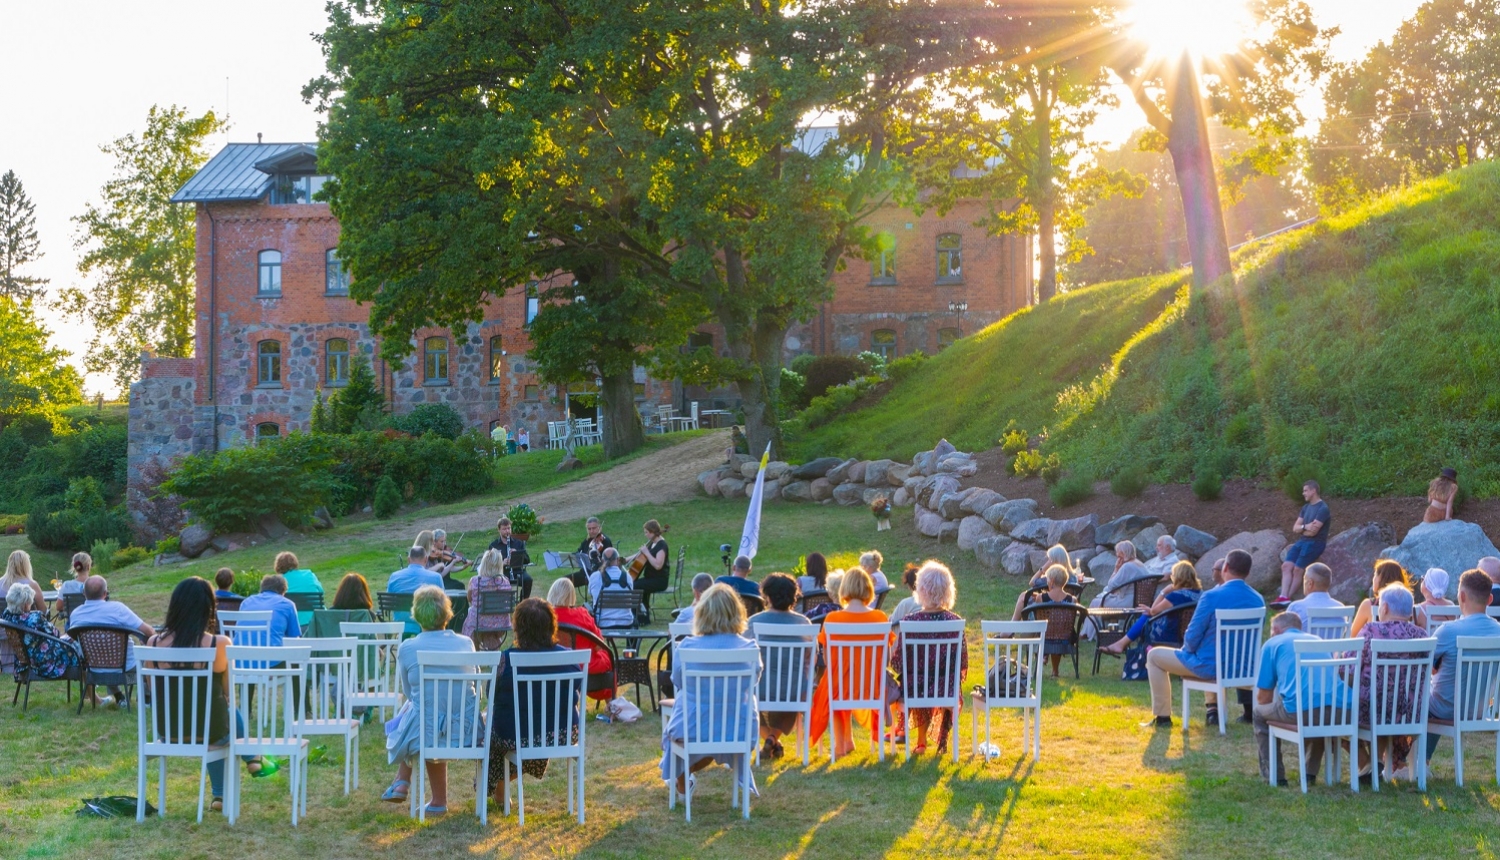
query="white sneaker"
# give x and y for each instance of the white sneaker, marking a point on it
(1401, 775)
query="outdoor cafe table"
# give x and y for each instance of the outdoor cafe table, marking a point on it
(636, 668)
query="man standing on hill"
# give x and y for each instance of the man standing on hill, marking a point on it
(1312, 528)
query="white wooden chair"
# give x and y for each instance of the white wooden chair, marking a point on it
(376, 643)
(1475, 687)
(787, 657)
(724, 726)
(677, 631)
(1330, 622)
(938, 647)
(1437, 616)
(548, 702)
(1237, 636)
(1016, 646)
(1322, 666)
(327, 709)
(693, 411)
(456, 692)
(1400, 670)
(172, 718)
(261, 686)
(1493, 612)
(856, 656)
(246, 629)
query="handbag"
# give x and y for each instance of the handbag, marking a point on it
(1134, 668)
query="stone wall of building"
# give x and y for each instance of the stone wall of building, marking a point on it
(165, 424)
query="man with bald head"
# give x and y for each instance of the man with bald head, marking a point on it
(97, 608)
(1491, 567)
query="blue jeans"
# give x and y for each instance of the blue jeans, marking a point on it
(216, 768)
(1439, 711)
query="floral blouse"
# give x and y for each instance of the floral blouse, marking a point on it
(1386, 630)
(49, 659)
(939, 668)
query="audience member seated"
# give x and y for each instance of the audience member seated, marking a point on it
(701, 583)
(1055, 592)
(97, 608)
(353, 594)
(1056, 554)
(351, 603)
(718, 625)
(1387, 572)
(83, 563)
(1276, 693)
(1127, 569)
(1166, 556)
(410, 578)
(1473, 598)
(1434, 593)
(780, 593)
(535, 625)
(1182, 590)
(487, 630)
(856, 593)
(935, 593)
(224, 585)
(431, 610)
(1395, 623)
(739, 578)
(272, 599)
(49, 659)
(611, 577)
(18, 569)
(299, 580)
(1195, 659)
(908, 604)
(871, 562)
(832, 583)
(1316, 581)
(564, 599)
(1490, 566)
(190, 624)
(817, 573)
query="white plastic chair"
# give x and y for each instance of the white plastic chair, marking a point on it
(787, 654)
(725, 727)
(1400, 669)
(1237, 637)
(1437, 616)
(1475, 686)
(246, 629)
(856, 657)
(1330, 622)
(938, 646)
(1322, 665)
(327, 710)
(694, 412)
(548, 691)
(261, 686)
(177, 698)
(449, 682)
(1018, 646)
(376, 644)
(676, 632)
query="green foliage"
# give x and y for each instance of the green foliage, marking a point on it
(1071, 489)
(247, 582)
(387, 498)
(801, 363)
(232, 490)
(49, 527)
(1129, 482)
(101, 525)
(1014, 441)
(167, 545)
(523, 520)
(19, 244)
(1027, 464)
(359, 405)
(437, 418)
(1051, 470)
(1208, 485)
(835, 403)
(793, 388)
(128, 556)
(905, 366)
(8, 522)
(35, 378)
(322, 419)
(84, 496)
(874, 362)
(103, 552)
(826, 371)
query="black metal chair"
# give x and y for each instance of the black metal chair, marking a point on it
(71, 601)
(880, 594)
(229, 604)
(677, 577)
(813, 598)
(1064, 627)
(389, 604)
(106, 652)
(607, 683)
(619, 598)
(752, 604)
(497, 604)
(25, 674)
(1110, 624)
(1184, 615)
(306, 601)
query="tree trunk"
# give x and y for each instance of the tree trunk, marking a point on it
(1046, 195)
(622, 428)
(1193, 161)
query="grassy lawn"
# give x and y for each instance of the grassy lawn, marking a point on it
(1103, 787)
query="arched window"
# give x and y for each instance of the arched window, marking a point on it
(946, 337)
(336, 354)
(267, 430)
(270, 273)
(335, 275)
(883, 341)
(435, 359)
(497, 358)
(268, 363)
(950, 258)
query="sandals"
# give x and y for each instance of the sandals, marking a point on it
(690, 782)
(396, 793)
(429, 809)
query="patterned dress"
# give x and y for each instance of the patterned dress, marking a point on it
(926, 675)
(1404, 706)
(49, 659)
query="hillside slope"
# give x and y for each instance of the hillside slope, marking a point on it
(1364, 350)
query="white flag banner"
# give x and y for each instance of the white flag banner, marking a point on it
(750, 540)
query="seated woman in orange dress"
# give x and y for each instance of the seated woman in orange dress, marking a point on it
(856, 592)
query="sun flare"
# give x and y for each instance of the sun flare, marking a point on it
(1203, 28)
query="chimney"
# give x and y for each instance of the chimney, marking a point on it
(257, 137)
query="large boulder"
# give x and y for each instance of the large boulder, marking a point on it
(921, 463)
(840, 473)
(797, 491)
(979, 499)
(815, 468)
(272, 527)
(775, 469)
(1005, 516)
(913, 484)
(1265, 548)
(934, 488)
(901, 498)
(896, 476)
(1101, 567)
(194, 539)
(963, 468)
(877, 472)
(321, 518)
(989, 549)
(930, 459)
(1192, 542)
(748, 471)
(849, 494)
(1453, 545)
(1015, 559)
(731, 487)
(1075, 533)
(973, 529)
(948, 532)
(1034, 532)
(711, 483)
(857, 471)
(1351, 555)
(950, 506)
(1145, 541)
(928, 522)
(820, 489)
(1123, 528)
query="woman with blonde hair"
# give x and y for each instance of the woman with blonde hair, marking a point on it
(564, 599)
(856, 593)
(1182, 590)
(935, 593)
(1387, 572)
(83, 564)
(487, 630)
(18, 569)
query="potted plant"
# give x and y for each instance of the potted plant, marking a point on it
(524, 523)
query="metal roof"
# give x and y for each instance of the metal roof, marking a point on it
(232, 175)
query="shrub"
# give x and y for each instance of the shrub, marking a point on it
(50, 528)
(831, 405)
(874, 363)
(247, 583)
(1051, 470)
(128, 556)
(827, 371)
(11, 523)
(1014, 441)
(1208, 485)
(167, 545)
(387, 498)
(84, 495)
(1129, 482)
(905, 366)
(103, 553)
(437, 418)
(1071, 490)
(103, 526)
(800, 364)
(233, 489)
(1027, 464)
(793, 388)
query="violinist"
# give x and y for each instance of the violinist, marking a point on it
(445, 559)
(513, 552)
(591, 551)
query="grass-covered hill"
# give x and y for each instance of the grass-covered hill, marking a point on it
(1364, 350)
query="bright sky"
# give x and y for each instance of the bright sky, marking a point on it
(81, 73)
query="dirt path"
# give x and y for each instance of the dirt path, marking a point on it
(670, 475)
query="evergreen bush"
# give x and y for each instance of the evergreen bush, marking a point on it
(387, 498)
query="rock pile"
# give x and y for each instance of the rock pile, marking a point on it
(827, 480)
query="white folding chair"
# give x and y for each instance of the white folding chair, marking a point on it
(1493, 611)
(548, 696)
(787, 656)
(1237, 637)
(694, 413)
(932, 671)
(262, 687)
(676, 632)
(177, 697)
(326, 708)
(1400, 672)
(1475, 686)
(856, 657)
(1437, 616)
(456, 692)
(246, 629)
(1012, 679)
(1330, 622)
(376, 644)
(718, 693)
(1322, 665)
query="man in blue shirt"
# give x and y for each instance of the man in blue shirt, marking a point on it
(1313, 526)
(1195, 659)
(740, 580)
(410, 578)
(1276, 694)
(272, 598)
(1473, 597)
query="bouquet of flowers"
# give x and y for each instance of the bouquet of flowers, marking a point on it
(881, 508)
